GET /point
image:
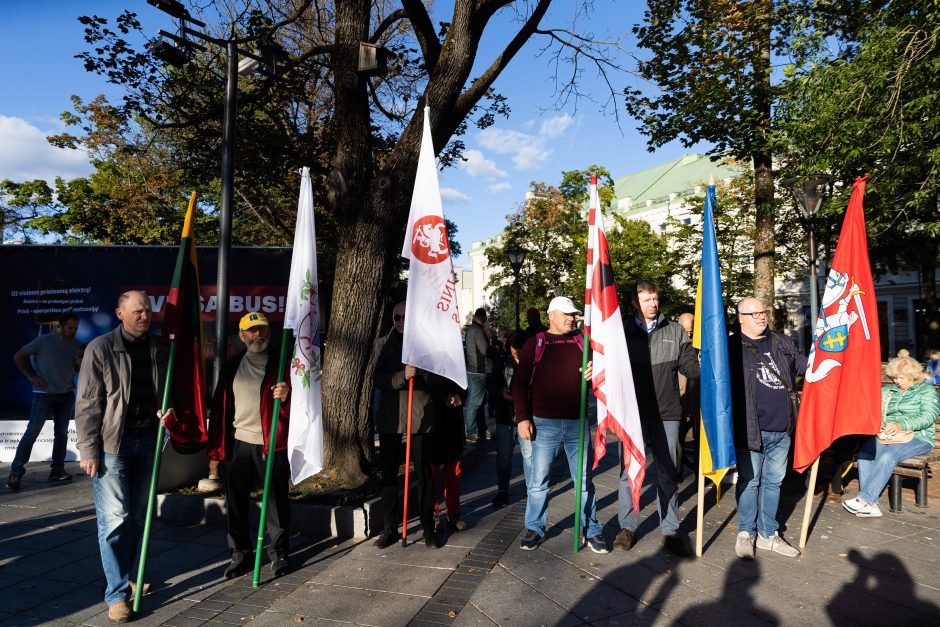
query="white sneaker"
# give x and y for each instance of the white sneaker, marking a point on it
(853, 505)
(744, 545)
(868, 510)
(776, 544)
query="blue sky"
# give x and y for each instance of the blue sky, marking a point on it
(39, 39)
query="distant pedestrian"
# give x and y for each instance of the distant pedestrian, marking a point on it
(49, 362)
(506, 424)
(689, 399)
(533, 319)
(479, 351)
(546, 393)
(660, 350)
(764, 365)
(932, 367)
(116, 413)
(240, 420)
(392, 378)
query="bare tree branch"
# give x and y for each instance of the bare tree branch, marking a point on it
(424, 32)
(388, 22)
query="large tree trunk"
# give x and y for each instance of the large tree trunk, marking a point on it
(764, 246)
(371, 197)
(359, 275)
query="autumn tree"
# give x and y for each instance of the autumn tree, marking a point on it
(552, 226)
(711, 61)
(871, 108)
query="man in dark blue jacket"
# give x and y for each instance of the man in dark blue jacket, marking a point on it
(659, 350)
(763, 367)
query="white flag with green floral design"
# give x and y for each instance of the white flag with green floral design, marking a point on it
(302, 315)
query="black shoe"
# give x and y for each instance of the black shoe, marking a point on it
(431, 540)
(240, 564)
(14, 481)
(677, 545)
(59, 474)
(280, 565)
(455, 522)
(500, 500)
(387, 539)
(530, 540)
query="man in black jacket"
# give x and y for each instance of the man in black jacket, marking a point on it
(659, 350)
(763, 367)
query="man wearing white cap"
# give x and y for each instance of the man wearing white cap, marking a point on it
(546, 394)
(240, 419)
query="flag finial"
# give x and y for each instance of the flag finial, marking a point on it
(711, 179)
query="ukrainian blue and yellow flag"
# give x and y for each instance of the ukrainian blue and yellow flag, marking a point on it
(716, 442)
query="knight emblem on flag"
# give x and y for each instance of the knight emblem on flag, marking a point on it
(842, 307)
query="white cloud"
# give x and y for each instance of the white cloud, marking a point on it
(455, 196)
(498, 187)
(556, 126)
(528, 150)
(475, 163)
(26, 155)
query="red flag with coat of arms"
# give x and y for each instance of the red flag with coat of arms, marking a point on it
(612, 382)
(842, 389)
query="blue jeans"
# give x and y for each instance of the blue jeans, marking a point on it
(876, 462)
(61, 407)
(663, 439)
(551, 434)
(476, 387)
(120, 490)
(759, 478)
(506, 436)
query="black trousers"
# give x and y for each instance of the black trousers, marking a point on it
(391, 456)
(242, 473)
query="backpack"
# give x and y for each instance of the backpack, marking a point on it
(540, 348)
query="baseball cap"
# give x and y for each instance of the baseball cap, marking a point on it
(252, 319)
(563, 304)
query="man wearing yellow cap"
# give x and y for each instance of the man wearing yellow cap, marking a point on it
(239, 432)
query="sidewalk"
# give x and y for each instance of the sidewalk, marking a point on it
(854, 571)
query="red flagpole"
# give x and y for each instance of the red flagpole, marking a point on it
(404, 509)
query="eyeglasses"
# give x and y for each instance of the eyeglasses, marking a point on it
(398, 317)
(755, 314)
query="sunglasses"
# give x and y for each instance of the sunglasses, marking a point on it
(398, 317)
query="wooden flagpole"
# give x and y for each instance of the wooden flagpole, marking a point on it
(700, 509)
(809, 502)
(404, 509)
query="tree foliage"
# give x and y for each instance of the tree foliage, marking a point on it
(711, 61)
(873, 110)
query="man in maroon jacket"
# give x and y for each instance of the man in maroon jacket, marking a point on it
(546, 391)
(239, 432)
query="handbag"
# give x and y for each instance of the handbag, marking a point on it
(902, 436)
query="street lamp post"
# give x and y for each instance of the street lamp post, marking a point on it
(809, 195)
(516, 255)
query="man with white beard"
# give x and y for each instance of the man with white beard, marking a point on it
(240, 421)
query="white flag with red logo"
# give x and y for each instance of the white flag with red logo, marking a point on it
(612, 382)
(432, 339)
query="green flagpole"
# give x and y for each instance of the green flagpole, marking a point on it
(272, 439)
(581, 422)
(154, 475)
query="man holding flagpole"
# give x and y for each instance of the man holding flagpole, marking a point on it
(239, 435)
(659, 350)
(116, 412)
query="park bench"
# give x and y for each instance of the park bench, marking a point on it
(918, 468)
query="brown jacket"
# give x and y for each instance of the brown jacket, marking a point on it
(104, 387)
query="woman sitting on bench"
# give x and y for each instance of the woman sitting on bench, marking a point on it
(909, 409)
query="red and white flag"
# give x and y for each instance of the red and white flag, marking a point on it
(432, 339)
(612, 382)
(842, 389)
